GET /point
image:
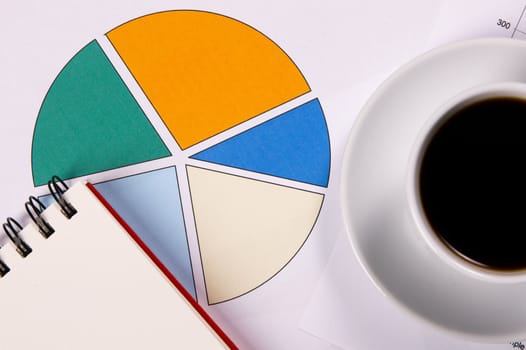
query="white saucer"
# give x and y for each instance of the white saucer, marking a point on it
(382, 233)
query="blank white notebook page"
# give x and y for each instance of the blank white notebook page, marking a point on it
(91, 286)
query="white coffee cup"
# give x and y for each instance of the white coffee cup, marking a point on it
(387, 229)
(426, 134)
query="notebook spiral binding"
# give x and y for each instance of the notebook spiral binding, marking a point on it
(34, 208)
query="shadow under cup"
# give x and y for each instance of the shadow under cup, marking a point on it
(471, 182)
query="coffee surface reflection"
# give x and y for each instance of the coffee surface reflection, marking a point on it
(472, 182)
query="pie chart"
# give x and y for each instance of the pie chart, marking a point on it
(235, 146)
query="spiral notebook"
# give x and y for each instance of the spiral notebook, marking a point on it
(92, 284)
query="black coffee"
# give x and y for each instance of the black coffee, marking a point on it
(473, 183)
